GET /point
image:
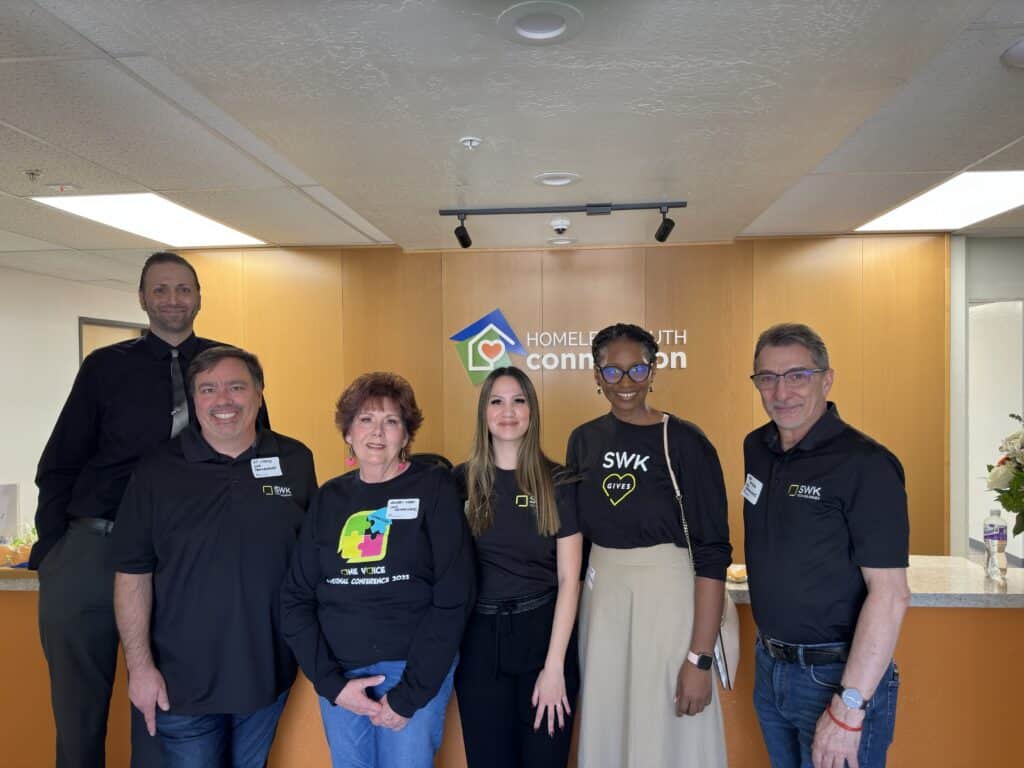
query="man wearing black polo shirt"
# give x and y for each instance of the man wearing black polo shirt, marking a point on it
(126, 399)
(827, 538)
(203, 539)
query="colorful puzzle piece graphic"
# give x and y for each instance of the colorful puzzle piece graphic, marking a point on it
(364, 537)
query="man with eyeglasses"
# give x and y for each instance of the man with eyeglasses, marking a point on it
(827, 538)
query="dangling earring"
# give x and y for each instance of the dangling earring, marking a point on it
(351, 459)
(650, 388)
(599, 390)
(403, 460)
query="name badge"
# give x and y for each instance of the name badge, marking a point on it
(403, 509)
(752, 489)
(268, 467)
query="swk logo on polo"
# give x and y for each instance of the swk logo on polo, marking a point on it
(809, 492)
(277, 490)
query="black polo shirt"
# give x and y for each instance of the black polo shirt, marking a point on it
(119, 409)
(217, 534)
(815, 515)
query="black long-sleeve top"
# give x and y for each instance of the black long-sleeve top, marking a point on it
(119, 409)
(626, 499)
(382, 572)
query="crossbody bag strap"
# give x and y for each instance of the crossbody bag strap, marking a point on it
(675, 485)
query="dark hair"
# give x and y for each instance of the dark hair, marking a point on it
(629, 331)
(165, 257)
(209, 358)
(533, 469)
(785, 334)
(377, 386)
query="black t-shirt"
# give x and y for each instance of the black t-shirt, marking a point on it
(513, 559)
(815, 515)
(217, 534)
(382, 572)
(626, 498)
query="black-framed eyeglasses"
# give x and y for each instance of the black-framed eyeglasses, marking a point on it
(612, 374)
(795, 378)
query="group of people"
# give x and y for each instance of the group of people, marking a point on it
(172, 517)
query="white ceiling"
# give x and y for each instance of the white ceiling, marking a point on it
(337, 121)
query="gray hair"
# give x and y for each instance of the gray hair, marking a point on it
(785, 334)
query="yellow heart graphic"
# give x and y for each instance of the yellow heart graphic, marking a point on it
(617, 487)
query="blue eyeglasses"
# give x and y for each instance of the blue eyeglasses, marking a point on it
(612, 374)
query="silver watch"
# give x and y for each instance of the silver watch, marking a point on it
(853, 698)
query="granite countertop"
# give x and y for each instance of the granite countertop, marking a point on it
(938, 581)
(935, 582)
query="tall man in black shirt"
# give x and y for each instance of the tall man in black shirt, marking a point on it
(124, 402)
(203, 540)
(827, 537)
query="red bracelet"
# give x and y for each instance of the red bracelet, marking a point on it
(840, 723)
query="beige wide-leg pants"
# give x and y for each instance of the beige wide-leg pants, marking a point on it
(636, 618)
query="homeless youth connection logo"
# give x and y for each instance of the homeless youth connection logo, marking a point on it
(487, 343)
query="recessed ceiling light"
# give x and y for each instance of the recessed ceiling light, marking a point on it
(1014, 55)
(557, 178)
(539, 22)
(470, 142)
(153, 217)
(955, 204)
(561, 240)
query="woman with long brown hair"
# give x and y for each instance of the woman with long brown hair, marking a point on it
(517, 678)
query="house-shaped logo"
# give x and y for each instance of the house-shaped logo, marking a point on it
(485, 345)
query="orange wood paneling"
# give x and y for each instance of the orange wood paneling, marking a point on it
(473, 286)
(393, 323)
(303, 369)
(905, 374)
(707, 292)
(817, 282)
(584, 291)
(223, 295)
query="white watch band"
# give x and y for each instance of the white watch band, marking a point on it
(693, 658)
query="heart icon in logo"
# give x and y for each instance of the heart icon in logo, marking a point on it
(491, 350)
(617, 487)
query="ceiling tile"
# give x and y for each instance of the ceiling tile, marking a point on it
(28, 31)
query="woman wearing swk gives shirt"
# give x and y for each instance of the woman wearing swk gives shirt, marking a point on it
(517, 678)
(380, 586)
(647, 626)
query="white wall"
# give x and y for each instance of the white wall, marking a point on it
(996, 387)
(39, 343)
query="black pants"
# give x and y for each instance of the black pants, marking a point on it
(500, 659)
(79, 637)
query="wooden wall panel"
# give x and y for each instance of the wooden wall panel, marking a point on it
(223, 292)
(392, 322)
(295, 327)
(473, 286)
(707, 291)
(817, 282)
(906, 378)
(585, 290)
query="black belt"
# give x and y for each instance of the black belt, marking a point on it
(94, 524)
(519, 605)
(804, 654)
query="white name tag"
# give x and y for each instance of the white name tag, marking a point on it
(403, 509)
(268, 467)
(752, 489)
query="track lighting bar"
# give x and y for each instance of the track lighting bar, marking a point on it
(591, 209)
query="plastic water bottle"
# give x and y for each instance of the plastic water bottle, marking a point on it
(995, 545)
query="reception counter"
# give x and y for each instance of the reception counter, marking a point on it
(959, 656)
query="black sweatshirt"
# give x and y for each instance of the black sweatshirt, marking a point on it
(382, 572)
(626, 498)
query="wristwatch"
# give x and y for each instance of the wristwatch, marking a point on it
(700, 660)
(853, 698)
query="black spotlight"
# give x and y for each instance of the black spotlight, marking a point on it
(665, 228)
(462, 234)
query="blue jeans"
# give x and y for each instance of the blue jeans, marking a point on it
(355, 742)
(789, 697)
(219, 741)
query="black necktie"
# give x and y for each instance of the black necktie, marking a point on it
(179, 416)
